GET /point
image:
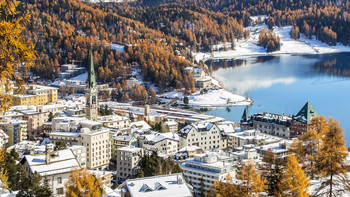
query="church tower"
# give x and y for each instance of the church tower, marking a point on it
(91, 107)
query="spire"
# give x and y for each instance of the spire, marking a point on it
(91, 77)
(307, 112)
(245, 116)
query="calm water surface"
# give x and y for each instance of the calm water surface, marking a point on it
(282, 84)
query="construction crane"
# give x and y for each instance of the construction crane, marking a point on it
(73, 64)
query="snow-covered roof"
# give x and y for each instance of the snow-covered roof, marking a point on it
(62, 161)
(140, 124)
(190, 148)
(165, 185)
(125, 138)
(157, 137)
(3, 135)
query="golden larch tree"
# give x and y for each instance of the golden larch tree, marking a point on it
(332, 153)
(251, 182)
(294, 182)
(221, 189)
(3, 174)
(16, 53)
(82, 183)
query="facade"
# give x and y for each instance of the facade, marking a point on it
(205, 135)
(127, 162)
(36, 95)
(173, 185)
(272, 124)
(170, 126)
(16, 130)
(4, 138)
(211, 167)
(115, 121)
(166, 144)
(56, 167)
(91, 93)
(91, 134)
(188, 152)
(254, 137)
(80, 154)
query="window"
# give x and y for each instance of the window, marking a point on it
(59, 180)
(59, 190)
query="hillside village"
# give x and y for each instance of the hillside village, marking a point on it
(54, 136)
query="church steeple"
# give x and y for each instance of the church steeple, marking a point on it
(91, 78)
(91, 92)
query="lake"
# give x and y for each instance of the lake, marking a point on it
(283, 84)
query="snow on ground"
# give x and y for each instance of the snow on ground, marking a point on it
(217, 98)
(249, 47)
(81, 78)
(117, 47)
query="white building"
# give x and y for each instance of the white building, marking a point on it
(250, 154)
(205, 135)
(170, 126)
(115, 121)
(211, 167)
(127, 162)
(4, 138)
(91, 134)
(163, 143)
(255, 137)
(56, 167)
(79, 153)
(274, 124)
(171, 185)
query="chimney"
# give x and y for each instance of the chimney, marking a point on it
(47, 155)
(179, 180)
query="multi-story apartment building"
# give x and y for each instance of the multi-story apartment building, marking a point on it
(115, 121)
(163, 143)
(56, 167)
(170, 126)
(203, 134)
(36, 95)
(15, 129)
(273, 124)
(127, 162)
(281, 125)
(211, 167)
(91, 134)
(254, 137)
(4, 138)
(79, 153)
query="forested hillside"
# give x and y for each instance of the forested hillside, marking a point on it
(160, 35)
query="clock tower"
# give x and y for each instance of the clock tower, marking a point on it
(91, 106)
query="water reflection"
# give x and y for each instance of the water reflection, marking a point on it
(283, 84)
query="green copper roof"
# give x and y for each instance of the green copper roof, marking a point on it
(245, 116)
(91, 78)
(308, 112)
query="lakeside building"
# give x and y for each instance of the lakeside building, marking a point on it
(206, 135)
(210, 167)
(281, 125)
(127, 160)
(83, 132)
(36, 95)
(170, 185)
(55, 166)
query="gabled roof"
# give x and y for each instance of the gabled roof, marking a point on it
(245, 116)
(307, 112)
